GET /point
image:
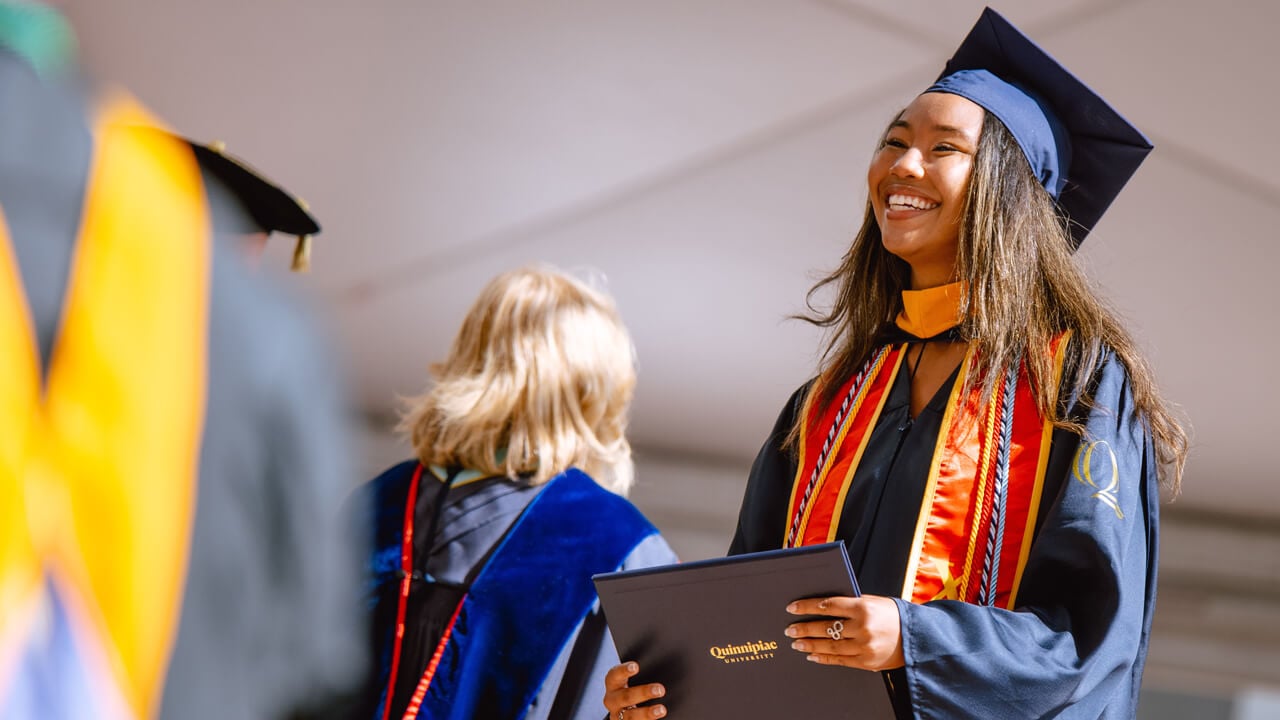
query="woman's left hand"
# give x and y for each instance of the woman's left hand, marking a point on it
(865, 632)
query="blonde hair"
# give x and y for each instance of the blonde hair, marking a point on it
(539, 379)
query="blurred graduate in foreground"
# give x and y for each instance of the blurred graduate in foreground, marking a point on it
(173, 450)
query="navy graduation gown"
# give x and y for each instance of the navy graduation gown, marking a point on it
(1075, 644)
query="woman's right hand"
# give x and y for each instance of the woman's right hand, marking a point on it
(621, 700)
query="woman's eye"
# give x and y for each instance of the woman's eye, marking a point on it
(894, 142)
(944, 148)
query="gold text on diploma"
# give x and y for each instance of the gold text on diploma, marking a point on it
(760, 650)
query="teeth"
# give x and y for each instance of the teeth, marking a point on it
(911, 201)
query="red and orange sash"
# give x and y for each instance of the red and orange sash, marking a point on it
(816, 499)
(979, 509)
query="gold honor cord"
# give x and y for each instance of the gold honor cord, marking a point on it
(957, 503)
(99, 481)
(838, 508)
(824, 473)
(816, 501)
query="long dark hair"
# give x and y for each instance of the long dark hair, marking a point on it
(1024, 289)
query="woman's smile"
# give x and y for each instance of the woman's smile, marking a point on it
(919, 179)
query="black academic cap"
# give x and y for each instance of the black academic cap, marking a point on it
(1082, 150)
(267, 207)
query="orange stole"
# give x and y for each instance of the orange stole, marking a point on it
(969, 490)
(953, 539)
(831, 444)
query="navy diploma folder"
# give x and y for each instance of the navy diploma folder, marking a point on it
(712, 632)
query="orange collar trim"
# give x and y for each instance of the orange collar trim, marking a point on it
(926, 313)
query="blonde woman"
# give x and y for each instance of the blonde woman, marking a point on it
(486, 542)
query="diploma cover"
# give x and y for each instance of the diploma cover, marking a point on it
(712, 632)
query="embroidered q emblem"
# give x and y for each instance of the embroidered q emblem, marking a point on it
(1083, 471)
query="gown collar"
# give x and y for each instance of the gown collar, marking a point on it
(931, 312)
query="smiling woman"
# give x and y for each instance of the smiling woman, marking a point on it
(918, 181)
(982, 433)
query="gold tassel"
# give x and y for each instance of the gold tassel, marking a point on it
(302, 255)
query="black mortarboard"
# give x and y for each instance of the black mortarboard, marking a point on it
(266, 207)
(1080, 148)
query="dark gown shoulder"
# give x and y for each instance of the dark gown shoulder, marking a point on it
(764, 502)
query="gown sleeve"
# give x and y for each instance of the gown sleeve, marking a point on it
(764, 503)
(1075, 643)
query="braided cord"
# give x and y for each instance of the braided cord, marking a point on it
(857, 389)
(995, 538)
(984, 476)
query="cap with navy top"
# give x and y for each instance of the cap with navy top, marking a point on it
(1082, 151)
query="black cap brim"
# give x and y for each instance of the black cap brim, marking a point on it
(269, 206)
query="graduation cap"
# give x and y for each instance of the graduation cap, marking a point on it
(266, 207)
(1080, 148)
